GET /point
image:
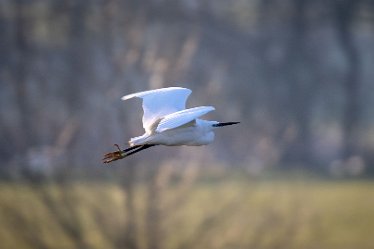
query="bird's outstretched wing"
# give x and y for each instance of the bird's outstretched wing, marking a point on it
(180, 118)
(160, 102)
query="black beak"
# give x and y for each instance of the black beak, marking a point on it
(225, 123)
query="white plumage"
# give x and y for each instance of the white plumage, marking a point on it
(160, 102)
(166, 121)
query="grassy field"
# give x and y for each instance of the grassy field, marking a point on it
(228, 213)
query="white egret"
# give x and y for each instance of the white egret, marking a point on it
(167, 122)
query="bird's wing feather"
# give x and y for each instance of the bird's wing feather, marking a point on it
(180, 118)
(160, 102)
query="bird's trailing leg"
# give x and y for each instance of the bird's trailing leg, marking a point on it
(119, 154)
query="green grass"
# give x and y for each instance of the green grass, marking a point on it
(229, 213)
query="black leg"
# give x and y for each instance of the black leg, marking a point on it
(128, 149)
(140, 148)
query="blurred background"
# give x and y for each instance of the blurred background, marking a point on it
(296, 173)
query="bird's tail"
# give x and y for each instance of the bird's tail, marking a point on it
(138, 140)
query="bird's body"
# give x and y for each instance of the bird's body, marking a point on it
(167, 122)
(195, 133)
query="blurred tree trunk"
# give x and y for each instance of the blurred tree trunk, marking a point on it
(8, 143)
(344, 17)
(77, 56)
(298, 76)
(23, 53)
(77, 62)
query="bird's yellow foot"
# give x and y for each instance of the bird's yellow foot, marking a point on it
(113, 156)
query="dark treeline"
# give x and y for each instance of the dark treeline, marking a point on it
(297, 74)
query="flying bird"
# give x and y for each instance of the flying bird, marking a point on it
(166, 121)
